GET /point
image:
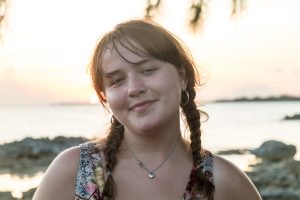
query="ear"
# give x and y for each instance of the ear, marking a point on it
(183, 77)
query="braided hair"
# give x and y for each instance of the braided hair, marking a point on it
(145, 38)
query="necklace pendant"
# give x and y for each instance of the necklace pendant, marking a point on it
(151, 175)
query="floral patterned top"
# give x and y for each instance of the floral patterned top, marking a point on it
(90, 179)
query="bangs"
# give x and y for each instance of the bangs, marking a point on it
(144, 41)
(130, 46)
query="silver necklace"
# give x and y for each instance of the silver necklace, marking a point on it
(151, 173)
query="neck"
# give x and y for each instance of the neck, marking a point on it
(154, 141)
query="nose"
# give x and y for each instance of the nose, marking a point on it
(136, 86)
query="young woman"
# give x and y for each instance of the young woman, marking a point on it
(146, 77)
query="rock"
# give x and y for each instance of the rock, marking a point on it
(276, 193)
(284, 173)
(275, 151)
(293, 117)
(35, 148)
(28, 194)
(277, 176)
(233, 151)
(29, 155)
(6, 196)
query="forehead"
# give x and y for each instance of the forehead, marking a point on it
(118, 55)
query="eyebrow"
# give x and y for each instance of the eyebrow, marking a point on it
(114, 72)
(143, 61)
(110, 74)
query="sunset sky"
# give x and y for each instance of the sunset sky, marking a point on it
(46, 47)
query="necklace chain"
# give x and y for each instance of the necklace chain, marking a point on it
(151, 173)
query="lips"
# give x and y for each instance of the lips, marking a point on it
(141, 106)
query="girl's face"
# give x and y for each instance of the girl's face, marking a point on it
(144, 96)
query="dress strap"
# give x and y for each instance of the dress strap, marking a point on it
(206, 166)
(89, 180)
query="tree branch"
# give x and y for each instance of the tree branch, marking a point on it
(197, 9)
(3, 6)
(151, 7)
(3, 10)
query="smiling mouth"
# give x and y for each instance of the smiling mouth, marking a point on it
(141, 106)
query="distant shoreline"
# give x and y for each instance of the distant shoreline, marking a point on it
(74, 104)
(282, 98)
(260, 99)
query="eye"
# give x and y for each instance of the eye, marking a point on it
(148, 70)
(117, 81)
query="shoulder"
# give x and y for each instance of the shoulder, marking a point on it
(60, 177)
(231, 182)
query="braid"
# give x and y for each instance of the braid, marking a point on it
(112, 145)
(193, 120)
(192, 115)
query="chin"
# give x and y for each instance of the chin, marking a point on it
(149, 128)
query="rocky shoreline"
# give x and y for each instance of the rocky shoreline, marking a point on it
(276, 176)
(292, 117)
(30, 156)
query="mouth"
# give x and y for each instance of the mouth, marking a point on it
(141, 106)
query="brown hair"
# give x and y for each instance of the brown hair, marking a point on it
(145, 38)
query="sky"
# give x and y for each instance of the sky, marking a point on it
(47, 45)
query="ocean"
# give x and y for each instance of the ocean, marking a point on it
(230, 126)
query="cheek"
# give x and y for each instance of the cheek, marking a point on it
(171, 83)
(115, 99)
(170, 90)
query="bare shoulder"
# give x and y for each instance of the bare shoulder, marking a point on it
(231, 182)
(60, 177)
